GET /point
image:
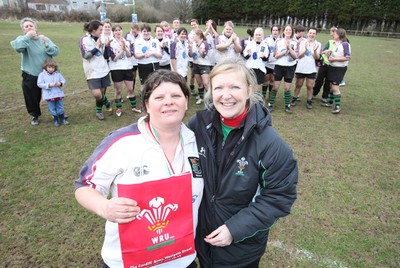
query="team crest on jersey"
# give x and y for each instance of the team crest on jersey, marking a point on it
(242, 165)
(195, 166)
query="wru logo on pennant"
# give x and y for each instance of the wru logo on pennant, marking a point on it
(158, 216)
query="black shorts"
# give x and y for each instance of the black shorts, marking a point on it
(285, 72)
(201, 69)
(260, 75)
(165, 67)
(309, 76)
(121, 75)
(336, 74)
(98, 83)
(134, 69)
(146, 69)
(270, 70)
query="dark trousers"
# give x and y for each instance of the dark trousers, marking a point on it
(192, 265)
(32, 94)
(251, 265)
(322, 79)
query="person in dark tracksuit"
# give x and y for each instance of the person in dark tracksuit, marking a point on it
(250, 173)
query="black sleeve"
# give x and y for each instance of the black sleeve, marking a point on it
(94, 51)
(166, 49)
(106, 53)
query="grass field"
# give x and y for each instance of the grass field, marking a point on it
(347, 212)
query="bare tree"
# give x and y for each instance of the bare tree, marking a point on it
(181, 9)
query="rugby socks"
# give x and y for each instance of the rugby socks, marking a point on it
(270, 87)
(118, 103)
(192, 89)
(132, 100)
(337, 99)
(331, 97)
(105, 101)
(201, 93)
(287, 95)
(272, 96)
(264, 90)
(99, 106)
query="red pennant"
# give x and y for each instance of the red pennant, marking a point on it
(163, 231)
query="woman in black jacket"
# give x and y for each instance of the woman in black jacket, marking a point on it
(250, 173)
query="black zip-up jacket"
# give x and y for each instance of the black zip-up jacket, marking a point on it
(249, 182)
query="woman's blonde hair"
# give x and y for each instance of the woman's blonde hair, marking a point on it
(229, 23)
(259, 31)
(164, 24)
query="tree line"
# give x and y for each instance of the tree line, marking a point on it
(357, 15)
(360, 15)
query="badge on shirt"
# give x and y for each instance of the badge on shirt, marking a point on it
(195, 167)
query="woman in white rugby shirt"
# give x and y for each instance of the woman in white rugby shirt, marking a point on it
(148, 53)
(285, 65)
(194, 24)
(120, 64)
(161, 143)
(338, 61)
(94, 55)
(211, 35)
(165, 43)
(228, 43)
(198, 50)
(309, 51)
(107, 34)
(180, 53)
(131, 36)
(270, 64)
(256, 54)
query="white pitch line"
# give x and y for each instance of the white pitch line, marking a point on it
(305, 254)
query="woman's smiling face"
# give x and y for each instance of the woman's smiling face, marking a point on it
(230, 92)
(167, 105)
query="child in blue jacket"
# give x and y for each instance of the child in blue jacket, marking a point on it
(51, 82)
